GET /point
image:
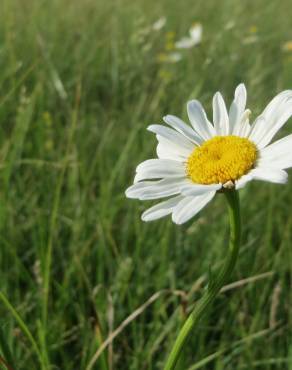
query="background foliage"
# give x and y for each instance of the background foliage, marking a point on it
(80, 82)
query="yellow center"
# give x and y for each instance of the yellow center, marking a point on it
(221, 159)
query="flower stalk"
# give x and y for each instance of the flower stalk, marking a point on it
(216, 283)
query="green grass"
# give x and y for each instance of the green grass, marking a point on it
(80, 82)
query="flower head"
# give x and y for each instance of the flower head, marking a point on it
(194, 162)
(159, 24)
(194, 38)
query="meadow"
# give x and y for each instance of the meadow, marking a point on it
(85, 284)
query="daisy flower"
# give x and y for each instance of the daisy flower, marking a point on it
(195, 37)
(159, 24)
(194, 162)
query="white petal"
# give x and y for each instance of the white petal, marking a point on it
(273, 106)
(240, 183)
(159, 168)
(199, 120)
(234, 117)
(168, 150)
(145, 190)
(245, 130)
(258, 129)
(190, 206)
(277, 155)
(240, 97)
(165, 151)
(197, 189)
(180, 126)
(280, 121)
(173, 136)
(275, 114)
(237, 108)
(161, 209)
(220, 116)
(269, 174)
(242, 127)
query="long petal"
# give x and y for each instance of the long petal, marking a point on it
(269, 174)
(172, 136)
(145, 190)
(276, 114)
(190, 206)
(277, 155)
(169, 150)
(199, 120)
(159, 168)
(240, 183)
(220, 115)
(240, 97)
(273, 106)
(257, 129)
(191, 189)
(161, 209)
(242, 127)
(165, 152)
(237, 108)
(180, 126)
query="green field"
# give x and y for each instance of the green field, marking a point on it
(80, 82)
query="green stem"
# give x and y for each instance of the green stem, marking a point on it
(216, 283)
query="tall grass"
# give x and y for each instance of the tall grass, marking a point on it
(80, 81)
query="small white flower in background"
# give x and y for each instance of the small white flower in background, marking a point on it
(194, 162)
(252, 39)
(229, 25)
(159, 24)
(196, 32)
(143, 32)
(195, 38)
(172, 57)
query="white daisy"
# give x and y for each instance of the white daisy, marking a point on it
(194, 162)
(159, 24)
(195, 32)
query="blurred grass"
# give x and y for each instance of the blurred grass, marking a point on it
(80, 82)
